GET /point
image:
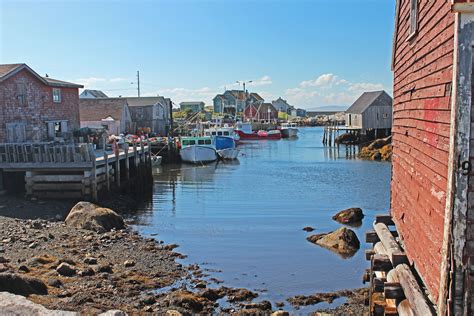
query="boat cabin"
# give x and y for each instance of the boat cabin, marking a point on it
(192, 141)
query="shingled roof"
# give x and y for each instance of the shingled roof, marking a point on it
(99, 109)
(368, 99)
(145, 101)
(8, 70)
(94, 93)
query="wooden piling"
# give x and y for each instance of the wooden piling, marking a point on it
(117, 169)
(107, 170)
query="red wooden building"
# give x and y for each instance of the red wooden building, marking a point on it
(36, 108)
(264, 112)
(432, 193)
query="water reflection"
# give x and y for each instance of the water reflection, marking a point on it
(246, 218)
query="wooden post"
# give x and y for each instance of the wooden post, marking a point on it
(117, 168)
(392, 248)
(107, 170)
(412, 290)
(127, 162)
(29, 183)
(94, 191)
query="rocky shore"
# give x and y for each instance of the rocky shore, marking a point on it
(379, 149)
(91, 271)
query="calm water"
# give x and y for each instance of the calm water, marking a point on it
(246, 218)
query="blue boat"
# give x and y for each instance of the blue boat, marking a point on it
(226, 147)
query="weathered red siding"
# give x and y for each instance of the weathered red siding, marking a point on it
(423, 71)
(38, 108)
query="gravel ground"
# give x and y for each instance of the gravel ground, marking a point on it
(119, 269)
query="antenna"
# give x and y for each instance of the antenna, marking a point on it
(138, 82)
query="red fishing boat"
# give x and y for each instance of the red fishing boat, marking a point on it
(273, 134)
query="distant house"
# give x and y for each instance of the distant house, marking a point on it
(35, 108)
(301, 112)
(262, 112)
(292, 111)
(151, 114)
(112, 114)
(195, 107)
(234, 101)
(281, 105)
(92, 94)
(371, 111)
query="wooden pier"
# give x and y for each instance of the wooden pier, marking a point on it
(73, 170)
(331, 132)
(394, 287)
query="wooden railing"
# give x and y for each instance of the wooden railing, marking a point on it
(21, 153)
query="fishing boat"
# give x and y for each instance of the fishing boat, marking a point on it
(197, 149)
(226, 147)
(289, 130)
(260, 135)
(222, 131)
(245, 132)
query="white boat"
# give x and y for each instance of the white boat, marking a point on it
(289, 130)
(226, 147)
(229, 153)
(197, 150)
(222, 131)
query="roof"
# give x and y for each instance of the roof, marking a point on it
(145, 101)
(99, 109)
(238, 94)
(220, 96)
(191, 102)
(263, 108)
(368, 99)
(256, 96)
(8, 70)
(95, 93)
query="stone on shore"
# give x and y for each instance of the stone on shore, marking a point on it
(343, 241)
(89, 216)
(66, 269)
(113, 312)
(21, 285)
(349, 216)
(11, 304)
(379, 149)
(308, 229)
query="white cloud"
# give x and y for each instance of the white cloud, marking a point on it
(325, 80)
(329, 89)
(118, 79)
(88, 82)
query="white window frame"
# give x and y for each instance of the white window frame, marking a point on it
(56, 95)
(413, 19)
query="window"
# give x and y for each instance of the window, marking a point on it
(413, 18)
(201, 142)
(219, 133)
(192, 142)
(208, 141)
(385, 115)
(57, 129)
(56, 95)
(226, 133)
(377, 116)
(21, 93)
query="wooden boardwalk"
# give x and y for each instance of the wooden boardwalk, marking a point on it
(73, 170)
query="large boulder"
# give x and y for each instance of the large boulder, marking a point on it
(14, 305)
(379, 143)
(89, 216)
(21, 285)
(349, 216)
(342, 241)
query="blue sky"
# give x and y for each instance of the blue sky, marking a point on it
(312, 53)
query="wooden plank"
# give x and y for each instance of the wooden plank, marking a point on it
(404, 309)
(393, 291)
(392, 276)
(59, 195)
(390, 306)
(57, 178)
(412, 291)
(381, 263)
(394, 251)
(380, 249)
(46, 165)
(372, 237)
(385, 219)
(369, 253)
(107, 170)
(63, 186)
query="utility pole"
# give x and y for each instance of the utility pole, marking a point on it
(138, 82)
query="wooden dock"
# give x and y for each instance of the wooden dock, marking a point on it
(73, 170)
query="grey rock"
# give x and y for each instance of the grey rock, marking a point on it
(89, 216)
(21, 285)
(66, 269)
(16, 305)
(113, 312)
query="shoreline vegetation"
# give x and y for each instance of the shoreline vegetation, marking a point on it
(62, 267)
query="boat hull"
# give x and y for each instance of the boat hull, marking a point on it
(198, 154)
(289, 132)
(228, 153)
(256, 136)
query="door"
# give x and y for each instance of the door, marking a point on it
(16, 132)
